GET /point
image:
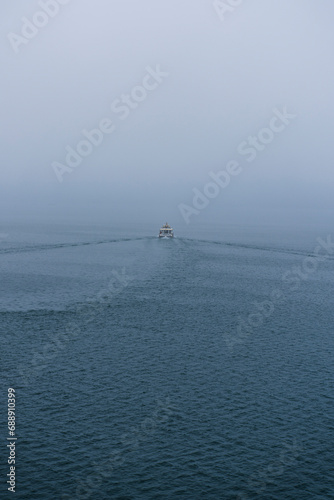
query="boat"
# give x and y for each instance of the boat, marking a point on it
(166, 231)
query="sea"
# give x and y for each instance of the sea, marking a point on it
(199, 367)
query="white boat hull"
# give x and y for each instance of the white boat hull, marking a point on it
(166, 231)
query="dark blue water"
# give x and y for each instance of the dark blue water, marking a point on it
(194, 368)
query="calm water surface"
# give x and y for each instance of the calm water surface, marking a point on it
(193, 368)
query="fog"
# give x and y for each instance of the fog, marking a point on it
(180, 89)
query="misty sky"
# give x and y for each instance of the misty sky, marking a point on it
(226, 75)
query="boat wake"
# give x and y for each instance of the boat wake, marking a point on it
(56, 246)
(289, 251)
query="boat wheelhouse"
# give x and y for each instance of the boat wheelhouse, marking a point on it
(166, 231)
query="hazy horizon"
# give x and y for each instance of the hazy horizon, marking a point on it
(201, 86)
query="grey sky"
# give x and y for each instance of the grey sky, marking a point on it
(225, 77)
